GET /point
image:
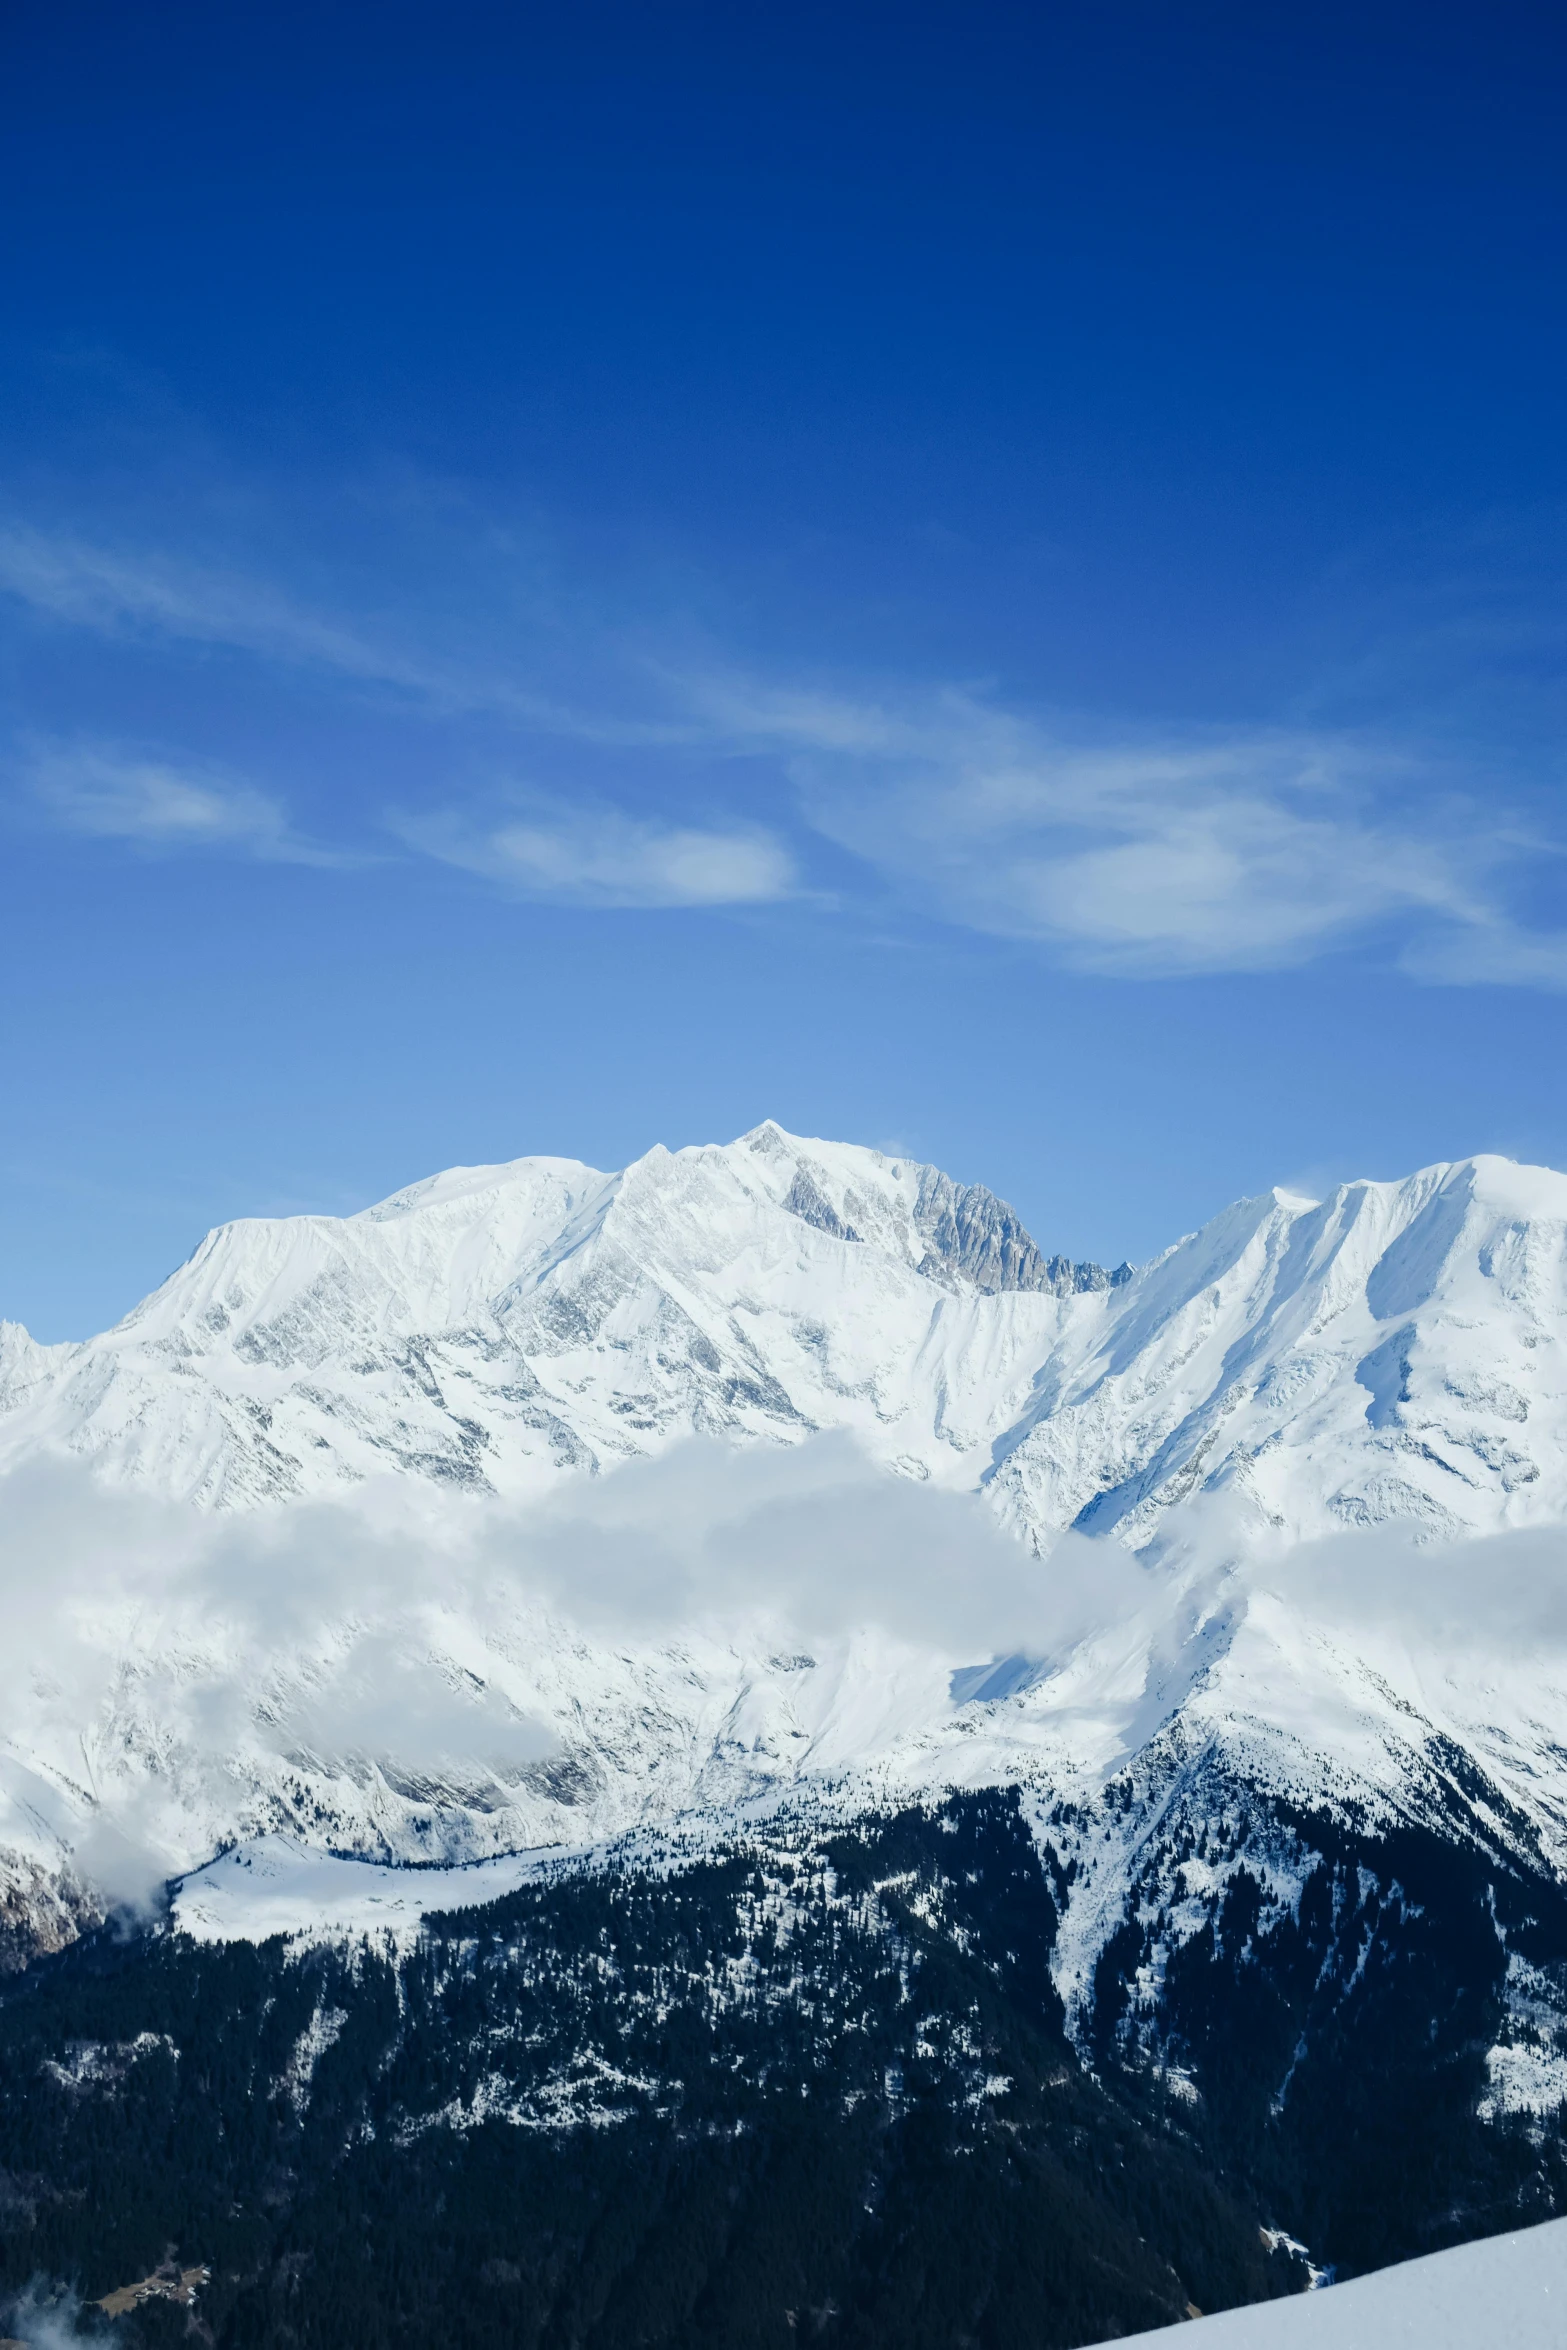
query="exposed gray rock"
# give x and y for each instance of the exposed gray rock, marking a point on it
(971, 1233)
(803, 1199)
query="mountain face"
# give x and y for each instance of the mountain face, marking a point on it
(806, 2084)
(1392, 1358)
(806, 2077)
(1287, 1791)
(1393, 1353)
(496, 1326)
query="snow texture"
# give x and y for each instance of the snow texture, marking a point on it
(1394, 1353)
(1388, 1363)
(1506, 2291)
(272, 1887)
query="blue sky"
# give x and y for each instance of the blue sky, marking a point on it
(984, 579)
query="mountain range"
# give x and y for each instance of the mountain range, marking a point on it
(540, 1527)
(1394, 1352)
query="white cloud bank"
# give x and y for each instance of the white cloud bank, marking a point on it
(161, 1661)
(806, 1541)
(812, 1541)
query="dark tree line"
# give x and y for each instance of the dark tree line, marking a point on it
(804, 2091)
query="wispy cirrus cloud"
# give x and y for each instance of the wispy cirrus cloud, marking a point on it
(107, 589)
(143, 592)
(1156, 854)
(118, 794)
(601, 856)
(1491, 954)
(1134, 852)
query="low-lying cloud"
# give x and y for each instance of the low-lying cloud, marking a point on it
(1501, 1597)
(392, 1635)
(400, 1639)
(809, 1540)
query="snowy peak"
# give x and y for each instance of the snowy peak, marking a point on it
(1395, 1351)
(24, 1364)
(430, 1258)
(494, 1326)
(959, 1235)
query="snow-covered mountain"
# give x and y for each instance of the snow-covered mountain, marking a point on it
(495, 1326)
(1397, 1351)
(344, 1551)
(1393, 1356)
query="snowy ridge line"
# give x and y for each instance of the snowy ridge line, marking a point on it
(1393, 1353)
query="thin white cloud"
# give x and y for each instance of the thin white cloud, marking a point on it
(116, 794)
(1201, 852)
(103, 589)
(1153, 853)
(1495, 954)
(1236, 860)
(114, 592)
(603, 857)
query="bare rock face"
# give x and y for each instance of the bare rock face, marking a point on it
(977, 1238)
(41, 1910)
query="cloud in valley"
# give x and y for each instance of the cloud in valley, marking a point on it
(149, 1641)
(150, 1638)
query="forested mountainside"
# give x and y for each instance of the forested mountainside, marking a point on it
(810, 2083)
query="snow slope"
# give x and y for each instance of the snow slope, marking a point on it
(1509, 2290)
(272, 1887)
(1394, 1353)
(1392, 1357)
(495, 1326)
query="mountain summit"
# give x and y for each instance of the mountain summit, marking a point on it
(1394, 1352)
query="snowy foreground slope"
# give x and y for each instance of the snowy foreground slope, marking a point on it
(1510, 2292)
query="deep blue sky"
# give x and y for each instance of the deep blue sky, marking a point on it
(980, 578)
